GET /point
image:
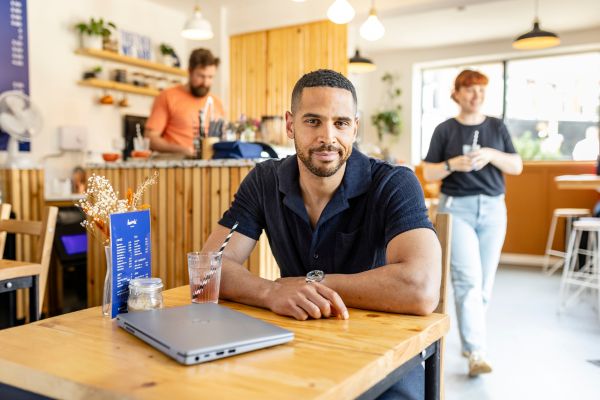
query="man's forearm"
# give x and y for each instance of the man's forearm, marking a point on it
(160, 144)
(238, 284)
(392, 288)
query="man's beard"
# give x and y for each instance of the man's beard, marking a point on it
(199, 91)
(322, 172)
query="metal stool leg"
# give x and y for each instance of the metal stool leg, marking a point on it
(549, 241)
(570, 262)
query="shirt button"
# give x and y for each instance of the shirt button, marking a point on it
(315, 256)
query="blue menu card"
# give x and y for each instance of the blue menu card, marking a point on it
(131, 254)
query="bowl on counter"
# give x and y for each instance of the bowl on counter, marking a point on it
(141, 154)
(110, 157)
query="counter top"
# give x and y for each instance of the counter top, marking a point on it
(177, 163)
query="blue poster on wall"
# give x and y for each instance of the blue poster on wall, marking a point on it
(131, 254)
(14, 59)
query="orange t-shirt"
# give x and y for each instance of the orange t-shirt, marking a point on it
(176, 114)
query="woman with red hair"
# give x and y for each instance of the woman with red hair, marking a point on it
(470, 153)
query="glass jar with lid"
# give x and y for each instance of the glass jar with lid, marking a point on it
(145, 294)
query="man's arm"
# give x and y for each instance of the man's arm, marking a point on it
(408, 284)
(296, 299)
(158, 143)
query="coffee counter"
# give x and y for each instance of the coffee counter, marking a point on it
(186, 204)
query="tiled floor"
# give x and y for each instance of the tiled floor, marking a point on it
(536, 354)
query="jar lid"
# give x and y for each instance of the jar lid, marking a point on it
(146, 284)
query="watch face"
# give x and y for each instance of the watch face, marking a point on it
(315, 276)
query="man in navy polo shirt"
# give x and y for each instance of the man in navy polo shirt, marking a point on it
(345, 229)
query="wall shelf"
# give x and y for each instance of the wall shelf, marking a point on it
(121, 87)
(112, 56)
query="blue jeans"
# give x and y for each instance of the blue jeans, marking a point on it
(478, 230)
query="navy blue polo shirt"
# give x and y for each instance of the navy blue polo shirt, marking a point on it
(374, 203)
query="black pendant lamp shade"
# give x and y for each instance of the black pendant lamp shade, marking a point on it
(359, 64)
(536, 39)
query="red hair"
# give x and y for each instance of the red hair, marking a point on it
(467, 78)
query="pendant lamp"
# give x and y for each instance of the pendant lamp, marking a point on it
(197, 27)
(360, 65)
(536, 38)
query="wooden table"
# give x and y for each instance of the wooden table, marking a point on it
(21, 275)
(83, 355)
(581, 182)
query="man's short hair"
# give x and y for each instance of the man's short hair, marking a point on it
(202, 58)
(321, 78)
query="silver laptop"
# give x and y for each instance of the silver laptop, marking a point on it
(198, 333)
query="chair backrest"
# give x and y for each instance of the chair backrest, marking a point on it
(44, 230)
(443, 226)
(4, 214)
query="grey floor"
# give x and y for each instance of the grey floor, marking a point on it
(535, 353)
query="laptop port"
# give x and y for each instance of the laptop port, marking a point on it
(220, 353)
(197, 358)
(230, 351)
(206, 355)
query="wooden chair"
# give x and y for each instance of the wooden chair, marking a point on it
(34, 275)
(443, 227)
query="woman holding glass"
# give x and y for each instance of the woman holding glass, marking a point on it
(470, 153)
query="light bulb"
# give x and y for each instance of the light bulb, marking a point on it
(340, 12)
(372, 29)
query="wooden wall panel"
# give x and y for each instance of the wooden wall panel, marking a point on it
(531, 199)
(265, 65)
(186, 204)
(248, 57)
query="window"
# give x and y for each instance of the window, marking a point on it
(437, 106)
(550, 104)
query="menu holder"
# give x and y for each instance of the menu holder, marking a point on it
(131, 254)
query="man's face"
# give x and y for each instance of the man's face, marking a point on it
(323, 128)
(201, 80)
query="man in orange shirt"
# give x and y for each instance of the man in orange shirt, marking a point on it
(174, 120)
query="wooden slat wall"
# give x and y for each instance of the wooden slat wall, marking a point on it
(186, 204)
(265, 88)
(23, 189)
(248, 69)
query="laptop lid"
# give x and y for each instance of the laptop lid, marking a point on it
(202, 332)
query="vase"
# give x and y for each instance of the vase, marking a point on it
(107, 293)
(91, 42)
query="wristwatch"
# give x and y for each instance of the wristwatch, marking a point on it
(315, 276)
(447, 166)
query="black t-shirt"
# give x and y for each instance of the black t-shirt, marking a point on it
(447, 142)
(374, 203)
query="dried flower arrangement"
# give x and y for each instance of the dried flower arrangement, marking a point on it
(100, 200)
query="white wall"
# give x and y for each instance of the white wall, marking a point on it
(54, 69)
(407, 63)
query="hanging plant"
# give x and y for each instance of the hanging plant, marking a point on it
(388, 120)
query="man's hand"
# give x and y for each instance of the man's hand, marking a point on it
(461, 164)
(482, 157)
(296, 298)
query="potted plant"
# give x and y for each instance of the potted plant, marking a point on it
(169, 57)
(388, 120)
(93, 33)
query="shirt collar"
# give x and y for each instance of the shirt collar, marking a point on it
(356, 181)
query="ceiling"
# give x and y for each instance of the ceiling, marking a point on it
(414, 23)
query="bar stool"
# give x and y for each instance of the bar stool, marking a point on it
(587, 276)
(569, 214)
